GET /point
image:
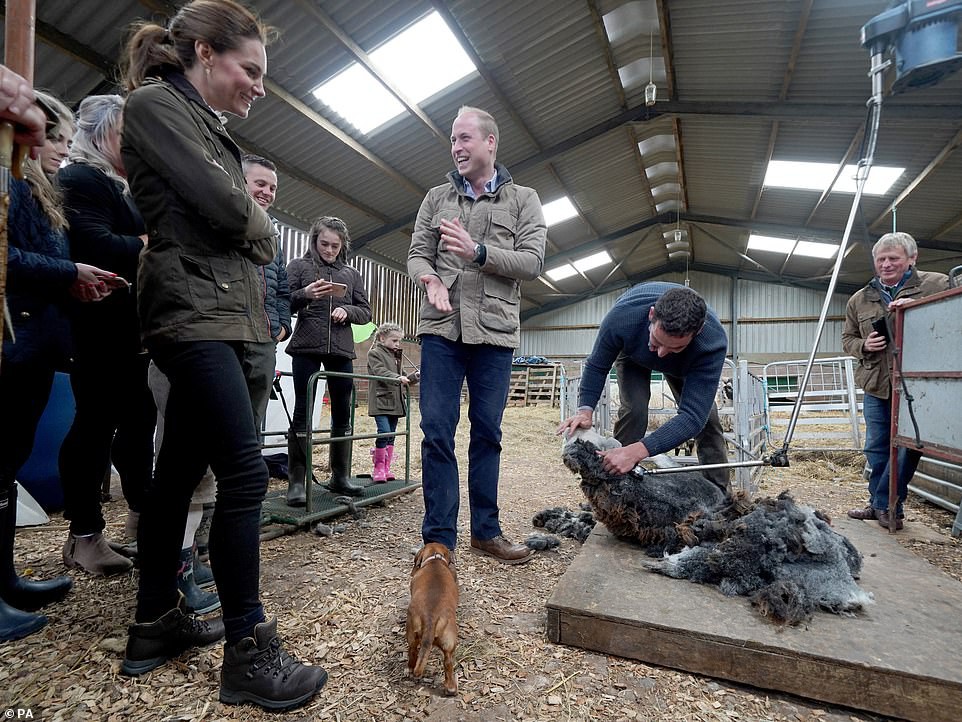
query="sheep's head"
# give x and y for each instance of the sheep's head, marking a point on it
(580, 455)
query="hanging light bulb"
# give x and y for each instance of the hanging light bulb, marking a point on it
(651, 90)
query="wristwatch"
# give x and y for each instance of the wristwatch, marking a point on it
(477, 252)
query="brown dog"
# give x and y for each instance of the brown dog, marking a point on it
(432, 613)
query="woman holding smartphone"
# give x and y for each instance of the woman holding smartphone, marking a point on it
(41, 279)
(328, 296)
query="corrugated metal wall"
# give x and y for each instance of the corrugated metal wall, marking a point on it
(774, 322)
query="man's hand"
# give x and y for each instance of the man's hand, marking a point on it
(339, 315)
(455, 239)
(874, 342)
(624, 459)
(17, 104)
(437, 292)
(581, 420)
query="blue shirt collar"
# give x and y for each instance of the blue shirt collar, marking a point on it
(488, 187)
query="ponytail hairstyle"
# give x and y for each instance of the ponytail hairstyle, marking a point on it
(97, 118)
(153, 51)
(44, 191)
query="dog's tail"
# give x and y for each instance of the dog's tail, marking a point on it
(424, 650)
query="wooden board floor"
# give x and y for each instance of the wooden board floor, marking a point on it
(900, 657)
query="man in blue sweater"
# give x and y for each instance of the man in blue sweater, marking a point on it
(667, 328)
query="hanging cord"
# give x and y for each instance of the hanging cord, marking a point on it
(897, 357)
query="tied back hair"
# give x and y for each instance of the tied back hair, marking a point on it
(44, 191)
(97, 118)
(387, 328)
(153, 50)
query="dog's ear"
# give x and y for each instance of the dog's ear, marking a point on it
(417, 561)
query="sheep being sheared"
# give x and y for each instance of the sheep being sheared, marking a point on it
(785, 557)
(656, 512)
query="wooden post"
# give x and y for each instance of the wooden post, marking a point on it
(19, 27)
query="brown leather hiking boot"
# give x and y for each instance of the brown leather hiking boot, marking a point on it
(258, 670)
(502, 550)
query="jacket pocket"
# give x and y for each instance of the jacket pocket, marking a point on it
(500, 304)
(216, 285)
(501, 231)
(865, 319)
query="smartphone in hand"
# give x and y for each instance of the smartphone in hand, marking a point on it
(339, 289)
(114, 282)
(881, 327)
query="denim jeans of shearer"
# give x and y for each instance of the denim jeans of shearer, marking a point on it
(878, 419)
(445, 365)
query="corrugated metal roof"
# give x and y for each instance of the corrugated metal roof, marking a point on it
(568, 127)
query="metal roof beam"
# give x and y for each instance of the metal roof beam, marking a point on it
(364, 59)
(938, 160)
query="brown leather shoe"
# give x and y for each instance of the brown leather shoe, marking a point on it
(883, 520)
(502, 550)
(866, 513)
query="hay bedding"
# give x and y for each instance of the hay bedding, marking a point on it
(341, 602)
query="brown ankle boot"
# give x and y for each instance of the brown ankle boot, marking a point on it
(92, 554)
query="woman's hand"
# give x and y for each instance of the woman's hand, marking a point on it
(339, 315)
(319, 289)
(89, 284)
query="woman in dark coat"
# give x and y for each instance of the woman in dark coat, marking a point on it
(41, 278)
(115, 412)
(199, 302)
(323, 337)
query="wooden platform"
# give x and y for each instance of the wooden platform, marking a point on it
(901, 657)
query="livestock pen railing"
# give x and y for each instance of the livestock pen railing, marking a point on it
(742, 408)
(831, 402)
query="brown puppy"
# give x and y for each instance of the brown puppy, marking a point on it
(432, 613)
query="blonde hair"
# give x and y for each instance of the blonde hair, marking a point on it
(387, 328)
(41, 186)
(486, 122)
(97, 117)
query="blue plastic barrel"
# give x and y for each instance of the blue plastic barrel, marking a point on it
(40, 475)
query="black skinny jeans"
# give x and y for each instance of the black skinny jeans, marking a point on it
(209, 420)
(338, 389)
(115, 420)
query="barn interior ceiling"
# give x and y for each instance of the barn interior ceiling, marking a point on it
(658, 121)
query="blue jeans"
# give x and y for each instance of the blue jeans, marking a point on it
(208, 420)
(444, 367)
(385, 425)
(878, 420)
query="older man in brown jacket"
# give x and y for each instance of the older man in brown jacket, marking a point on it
(896, 282)
(476, 238)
